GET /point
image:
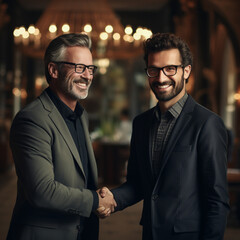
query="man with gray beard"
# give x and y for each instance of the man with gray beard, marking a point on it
(52, 151)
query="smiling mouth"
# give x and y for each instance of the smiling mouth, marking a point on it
(162, 86)
(81, 84)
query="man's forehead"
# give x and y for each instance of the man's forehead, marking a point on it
(168, 55)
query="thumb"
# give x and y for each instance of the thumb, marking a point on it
(103, 191)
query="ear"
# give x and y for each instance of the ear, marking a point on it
(53, 70)
(187, 71)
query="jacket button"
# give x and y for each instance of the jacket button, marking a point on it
(71, 211)
(154, 197)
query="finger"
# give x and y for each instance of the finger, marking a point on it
(108, 213)
(115, 204)
(112, 208)
(106, 191)
(105, 213)
(101, 209)
(103, 192)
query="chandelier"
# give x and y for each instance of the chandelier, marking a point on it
(95, 18)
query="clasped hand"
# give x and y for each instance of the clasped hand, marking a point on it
(107, 203)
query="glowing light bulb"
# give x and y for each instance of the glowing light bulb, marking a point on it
(109, 29)
(16, 32)
(87, 28)
(103, 36)
(37, 32)
(116, 36)
(31, 29)
(139, 30)
(52, 28)
(128, 30)
(22, 30)
(65, 28)
(25, 34)
(136, 36)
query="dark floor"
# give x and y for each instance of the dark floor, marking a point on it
(120, 226)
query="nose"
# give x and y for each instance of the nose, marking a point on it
(86, 73)
(161, 76)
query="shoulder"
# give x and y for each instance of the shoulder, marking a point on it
(144, 117)
(201, 116)
(34, 111)
(31, 109)
(199, 111)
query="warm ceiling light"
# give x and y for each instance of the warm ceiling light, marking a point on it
(136, 36)
(139, 30)
(128, 30)
(36, 32)
(22, 30)
(65, 28)
(128, 38)
(25, 34)
(31, 29)
(116, 36)
(103, 36)
(146, 33)
(109, 29)
(52, 28)
(16, 32)
(87, 28)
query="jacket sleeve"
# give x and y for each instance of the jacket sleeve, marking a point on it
(130, 192)
(35, 164)
(212, 154)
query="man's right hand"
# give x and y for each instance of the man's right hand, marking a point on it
(106, 202)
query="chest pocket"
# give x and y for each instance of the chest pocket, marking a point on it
(180, 148)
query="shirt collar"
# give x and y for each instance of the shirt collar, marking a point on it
(174, 110)
(65, 111)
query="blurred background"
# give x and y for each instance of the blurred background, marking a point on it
(120, 88)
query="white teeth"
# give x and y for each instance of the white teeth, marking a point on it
(164, 86)
(82, 84)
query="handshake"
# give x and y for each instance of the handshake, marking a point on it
(107, 203)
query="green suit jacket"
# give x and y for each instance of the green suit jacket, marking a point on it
(51, 194)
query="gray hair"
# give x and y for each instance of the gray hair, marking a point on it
(57, 47)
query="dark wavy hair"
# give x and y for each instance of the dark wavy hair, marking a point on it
(56, 49)
(165, 41)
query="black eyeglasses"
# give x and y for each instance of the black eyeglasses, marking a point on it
(169, 70)
(80, 68)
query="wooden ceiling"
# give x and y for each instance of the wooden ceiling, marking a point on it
(125, 5)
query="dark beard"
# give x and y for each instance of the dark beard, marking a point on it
(173, 94)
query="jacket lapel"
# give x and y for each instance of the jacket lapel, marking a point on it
(60, 124)
(91, 156)
(180, 126)
(147, 144)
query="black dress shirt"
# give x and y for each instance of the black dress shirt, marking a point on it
(74, 124)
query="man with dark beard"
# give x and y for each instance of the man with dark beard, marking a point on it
(52, 151)
(178, 156)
